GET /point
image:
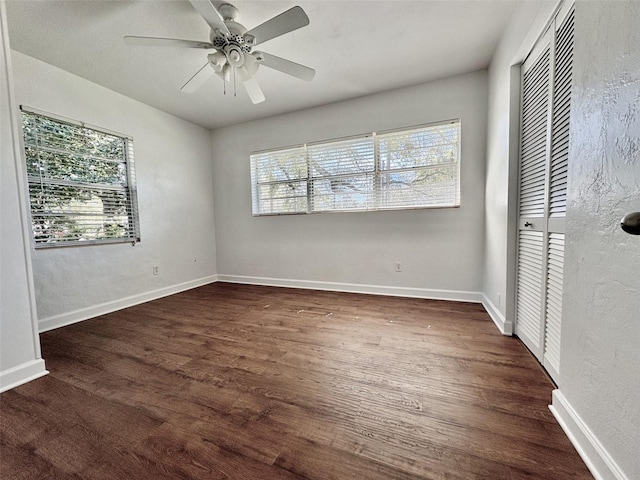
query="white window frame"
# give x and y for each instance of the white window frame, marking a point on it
(83, 213)
(369, 171)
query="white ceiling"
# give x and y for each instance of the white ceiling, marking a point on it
(356, 47)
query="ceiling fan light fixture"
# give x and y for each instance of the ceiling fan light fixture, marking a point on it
(217, 60)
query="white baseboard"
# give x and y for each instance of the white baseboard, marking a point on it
(67, 318)
(595, 456)
(452, 295)
(505, 327)
(20, 374)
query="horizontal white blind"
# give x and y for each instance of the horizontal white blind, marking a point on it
(279, 181)
(413, 168)
(420, 166)
(81, 183)
(342, 174)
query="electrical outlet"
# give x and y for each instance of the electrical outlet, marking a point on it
(156, 269)
(398, 266)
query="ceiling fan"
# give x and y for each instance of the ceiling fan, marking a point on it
(234, 57)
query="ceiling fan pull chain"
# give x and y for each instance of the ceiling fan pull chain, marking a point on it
(235, 91)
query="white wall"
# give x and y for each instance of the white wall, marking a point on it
(173, 168)
(440, 249)
(19, 343)
(525, 24)
(599, 394)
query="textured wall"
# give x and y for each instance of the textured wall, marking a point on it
(173, 169)
(600, 357)
(19, 343)
(440, 249)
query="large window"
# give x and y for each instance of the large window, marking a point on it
(81, 183)
(413, 168)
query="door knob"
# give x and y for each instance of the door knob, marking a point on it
(631, 223)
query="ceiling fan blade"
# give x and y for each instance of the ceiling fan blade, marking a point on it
(250, 85)
(285, 66)
(286, 22)
(195, 82)
(206, 9)
(164, 42)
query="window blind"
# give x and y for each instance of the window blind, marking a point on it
(420, 167)
(81, 183)
(411, 168)
(280, 181)
(342, 175)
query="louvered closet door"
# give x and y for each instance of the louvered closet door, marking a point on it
(557, 204)
(534, 157)
(546, 96)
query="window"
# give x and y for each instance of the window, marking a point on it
(280, 181)
(415, 168)
(81, 183)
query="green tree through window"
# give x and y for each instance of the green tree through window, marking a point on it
(81, 183)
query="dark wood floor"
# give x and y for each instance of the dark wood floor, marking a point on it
(247, 382)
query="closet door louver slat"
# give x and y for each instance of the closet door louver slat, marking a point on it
(563, 65)
(530, 287)
(534, 137)
(553, 314)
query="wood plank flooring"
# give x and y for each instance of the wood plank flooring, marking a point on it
(248, 382)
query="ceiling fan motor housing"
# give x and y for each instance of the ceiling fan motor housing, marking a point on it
(235, 37)
(232, 49)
